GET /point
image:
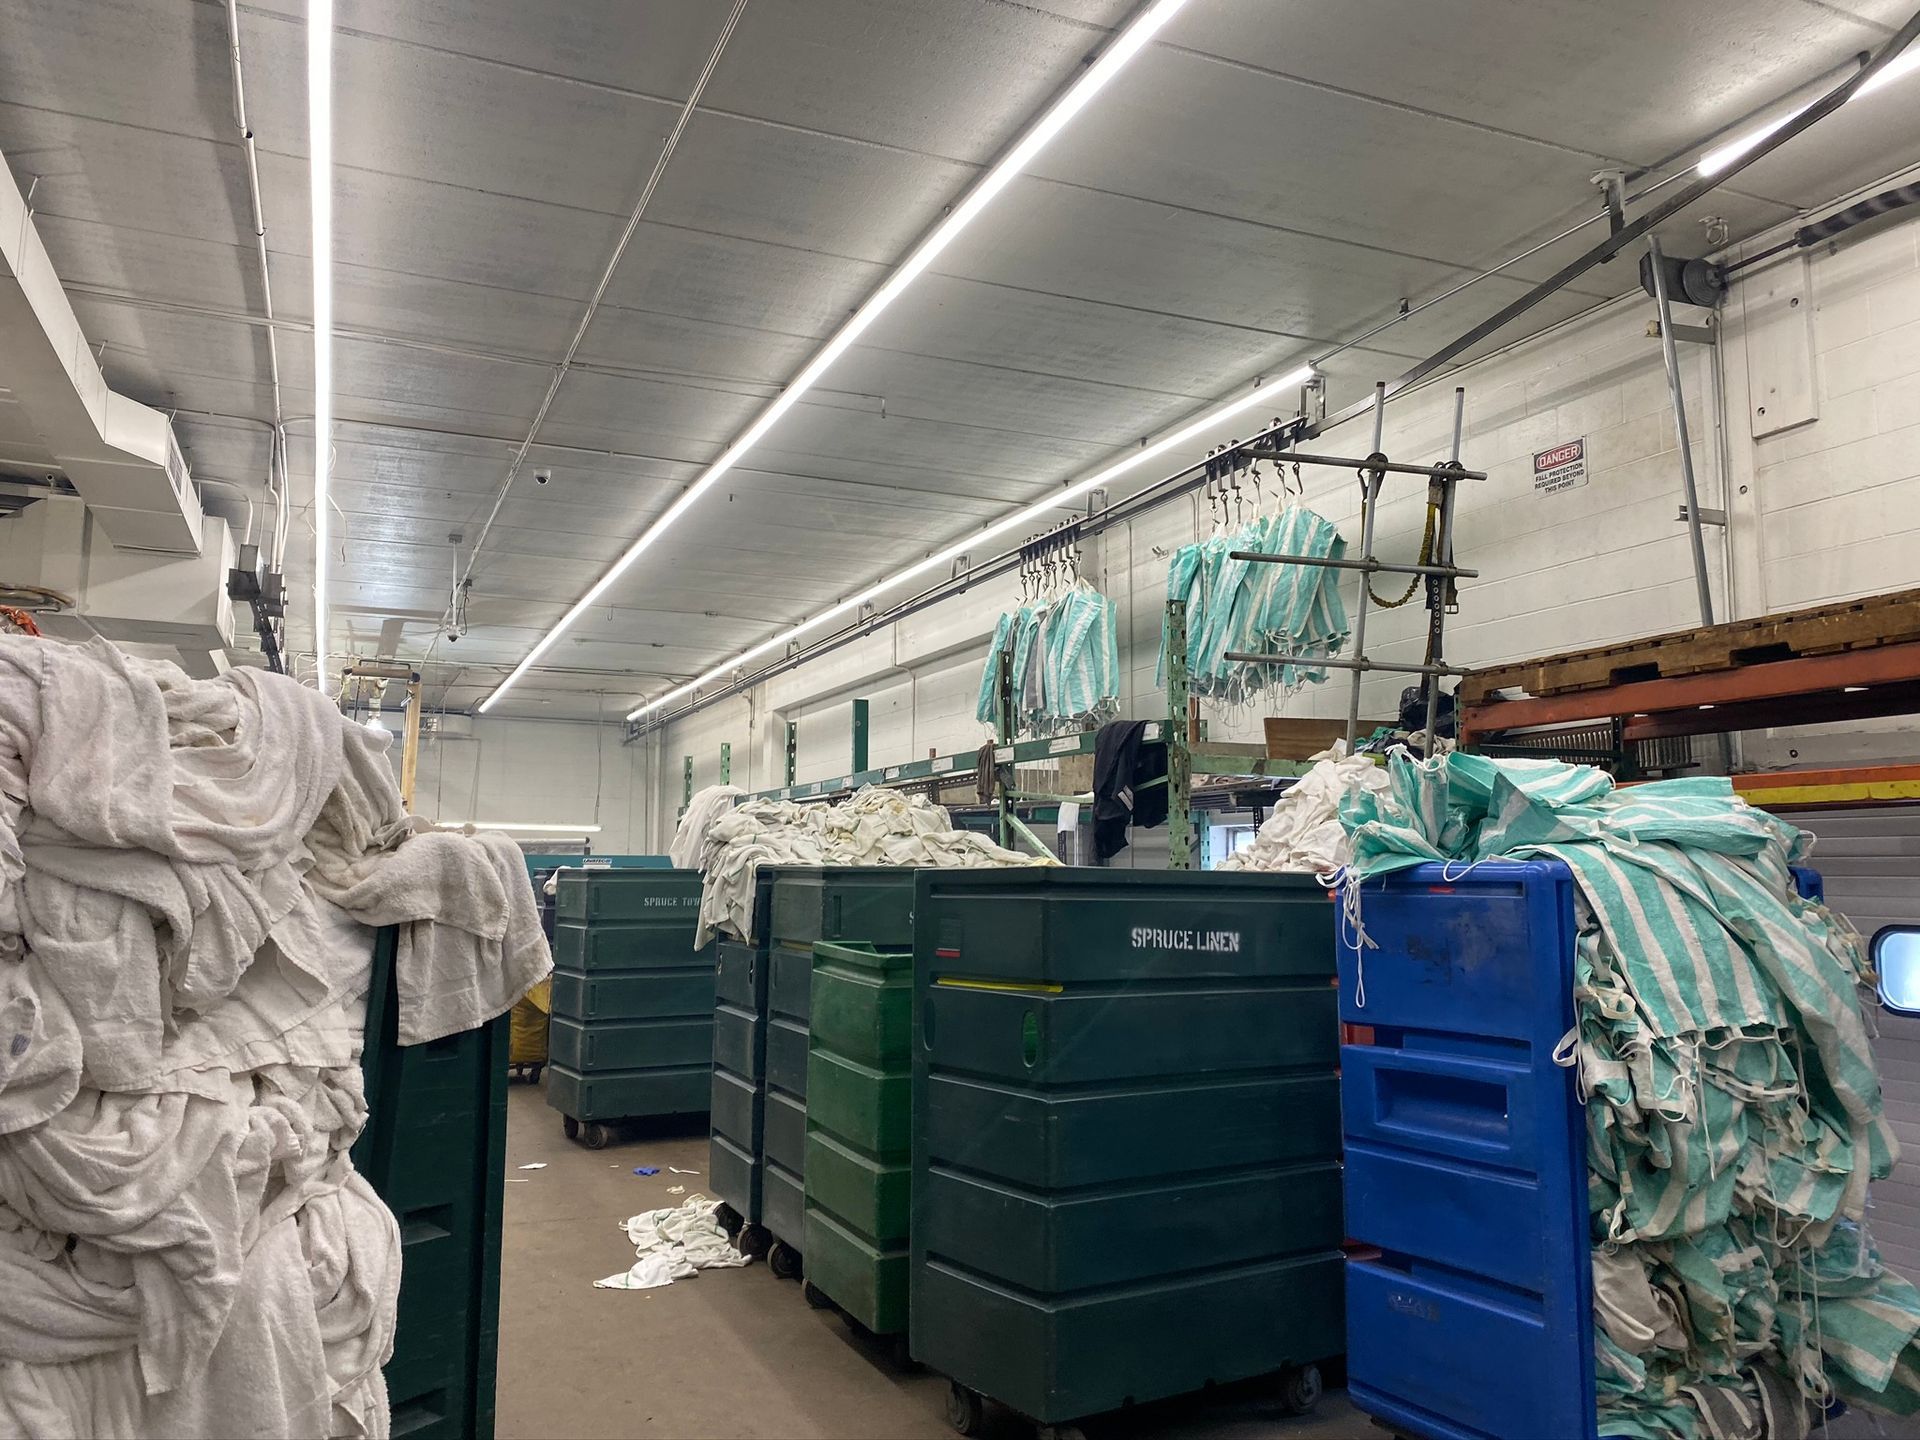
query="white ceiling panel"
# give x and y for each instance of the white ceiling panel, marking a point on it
(445, 231)
(1630, 80)
(1056, 240)
(689, 420)
(818, 193)
(781, 287)
(920, 75)
(1260, 187)
(107, 173)
(162, 67)
(658, 344)
(1219, 139)
(126, 259)
(655, 48)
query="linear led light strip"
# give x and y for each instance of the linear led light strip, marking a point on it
(533, 829)
(1714, 161)
(1125, 46)
(320, 164)
(1039, 510)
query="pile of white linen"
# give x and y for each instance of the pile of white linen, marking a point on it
(1303, 832)
(674, 1244)
(690, 836)
(189, 871)
(875, 827)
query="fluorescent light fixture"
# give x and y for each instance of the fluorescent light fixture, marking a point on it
(320, 166)
(1113, 59)
(1038, 511)
(531, 828)
(1716, 160)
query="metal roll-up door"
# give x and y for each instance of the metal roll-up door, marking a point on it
(1870, 858)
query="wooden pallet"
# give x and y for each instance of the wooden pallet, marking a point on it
(1289, 738)
(1819, 630)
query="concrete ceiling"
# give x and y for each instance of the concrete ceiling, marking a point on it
(1272, 177)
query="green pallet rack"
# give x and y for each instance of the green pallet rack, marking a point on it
(435, 1150)
(632, 1029)
(1126, 1179)
(859, 1133)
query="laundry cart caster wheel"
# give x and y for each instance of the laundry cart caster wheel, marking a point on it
(815, 1296)
(570, 1127)
(965, 1411)
(1300, 1389)
(1059, 1432)
(784, 1261)
(752, 1241)
(596, 1135)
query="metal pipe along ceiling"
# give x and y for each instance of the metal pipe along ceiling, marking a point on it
(561, 370)
(277, 446)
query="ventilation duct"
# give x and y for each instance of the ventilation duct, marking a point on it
(120, 455)
(148, 603)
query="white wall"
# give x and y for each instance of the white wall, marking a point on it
(1825, 511)
(535, 771)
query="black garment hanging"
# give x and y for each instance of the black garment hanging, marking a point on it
(1122, 763)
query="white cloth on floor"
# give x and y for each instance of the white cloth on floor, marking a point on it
(1303, 831)
(875, 827)
(674, 1244)
(690, 838)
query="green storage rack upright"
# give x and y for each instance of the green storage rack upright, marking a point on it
(435, 1150)
(808, 904)
(1126, 1179)
(859, 1136)
(736, 1150)
(632, 1030)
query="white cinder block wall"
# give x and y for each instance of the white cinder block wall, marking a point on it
(1828, 510)
(536, 771)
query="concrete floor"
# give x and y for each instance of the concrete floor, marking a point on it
(730, 1352)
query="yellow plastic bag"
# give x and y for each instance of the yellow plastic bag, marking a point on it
(527, 1029)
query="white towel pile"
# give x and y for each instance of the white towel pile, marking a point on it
(1303, 833)
(189, 871)
(875, 827)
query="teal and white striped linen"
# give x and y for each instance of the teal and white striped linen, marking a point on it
(1733, 1106)
(1248, 605)
(1065, 658)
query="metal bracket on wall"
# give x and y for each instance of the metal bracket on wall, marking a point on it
(1612, 185)
(1690, 334)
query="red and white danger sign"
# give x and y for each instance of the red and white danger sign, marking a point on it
(1561, 468)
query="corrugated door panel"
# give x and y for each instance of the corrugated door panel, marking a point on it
(1871, 861)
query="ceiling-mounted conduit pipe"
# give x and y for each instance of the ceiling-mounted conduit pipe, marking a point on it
(561, 370)
(277, 446)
